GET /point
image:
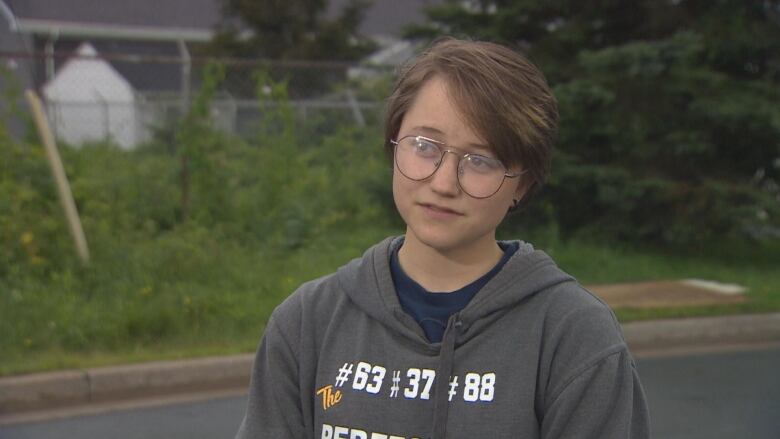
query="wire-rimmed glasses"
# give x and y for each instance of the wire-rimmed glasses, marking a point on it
(419, 157)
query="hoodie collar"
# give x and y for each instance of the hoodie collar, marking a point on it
(368, 283)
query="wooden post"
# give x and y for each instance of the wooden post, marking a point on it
(58, 171)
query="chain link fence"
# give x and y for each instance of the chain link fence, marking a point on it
(128, 99)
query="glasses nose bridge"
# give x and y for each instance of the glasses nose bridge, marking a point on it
(458, 155)
(458, 161)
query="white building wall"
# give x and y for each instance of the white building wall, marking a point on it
(88, 100)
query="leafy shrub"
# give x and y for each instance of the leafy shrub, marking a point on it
(163, 270)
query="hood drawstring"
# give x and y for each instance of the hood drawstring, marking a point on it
(443, 372)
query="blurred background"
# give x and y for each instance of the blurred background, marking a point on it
(221, 152)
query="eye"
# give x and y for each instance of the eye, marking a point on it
(424, 147)
(483, 164)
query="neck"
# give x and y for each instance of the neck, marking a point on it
(447, 270)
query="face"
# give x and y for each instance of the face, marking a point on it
(437, 212)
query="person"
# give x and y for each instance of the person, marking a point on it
(445, 332)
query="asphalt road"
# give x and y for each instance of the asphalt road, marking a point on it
(712, 396)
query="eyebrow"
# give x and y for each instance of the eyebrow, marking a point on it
(482, 148)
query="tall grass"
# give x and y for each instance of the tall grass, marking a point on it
(170, 278)
(173, 273)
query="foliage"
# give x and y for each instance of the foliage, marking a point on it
(670, 128)
(670, 135)
(293, 31)
(257, 211)
(265, 214)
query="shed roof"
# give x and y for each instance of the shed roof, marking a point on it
(146, 76)
(88, 79)
(194, 14)
(386, 18)
(189, 19)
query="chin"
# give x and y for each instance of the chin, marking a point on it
(440, 240)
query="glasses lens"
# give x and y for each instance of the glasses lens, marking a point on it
(417, 158)
(480, 176)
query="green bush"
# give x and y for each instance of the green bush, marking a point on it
(196, 237)
(162, 268)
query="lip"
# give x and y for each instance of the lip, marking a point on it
(438, 211)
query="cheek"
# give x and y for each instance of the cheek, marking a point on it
(499, 205)
(400, 191)
(396, 185)
(501, 196)
(495, 213)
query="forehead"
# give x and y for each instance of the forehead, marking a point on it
(435, 114)
(438, 136)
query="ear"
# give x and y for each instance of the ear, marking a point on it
(522, 188)
(517, 195)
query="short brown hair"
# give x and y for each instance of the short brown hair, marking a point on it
(502, 95)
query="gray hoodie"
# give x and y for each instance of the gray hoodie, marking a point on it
(533, 355)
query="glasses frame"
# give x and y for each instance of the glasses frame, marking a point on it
(444, 149)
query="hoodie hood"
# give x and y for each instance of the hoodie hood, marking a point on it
(368, 283)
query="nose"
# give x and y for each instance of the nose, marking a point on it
(445, 180)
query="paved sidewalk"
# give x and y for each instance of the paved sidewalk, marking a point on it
(26, 393)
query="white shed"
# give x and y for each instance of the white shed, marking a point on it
(89, 100)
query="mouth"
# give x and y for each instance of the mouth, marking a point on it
(441, 210)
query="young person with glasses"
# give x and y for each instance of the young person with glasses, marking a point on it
(445, 332)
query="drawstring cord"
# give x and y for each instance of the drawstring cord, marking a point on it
(443, 372)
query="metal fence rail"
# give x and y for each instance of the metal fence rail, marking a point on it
(128, 98)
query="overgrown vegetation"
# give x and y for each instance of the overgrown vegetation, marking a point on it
(297, 32)
(196, 238)
(171, 270)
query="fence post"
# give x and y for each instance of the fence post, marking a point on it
(49, 60)
(60, 178)
(186, 74)
(356, 113)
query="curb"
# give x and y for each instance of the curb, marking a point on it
(77, 387)
(696, 331)
(69, 388)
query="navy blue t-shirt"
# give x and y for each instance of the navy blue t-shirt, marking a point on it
(433, 310)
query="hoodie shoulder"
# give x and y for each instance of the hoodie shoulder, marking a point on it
(574, 318)
(558, 295)
(356, 282)
(572, 304)
(311, 295)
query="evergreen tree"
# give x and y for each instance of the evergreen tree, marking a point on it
(670, 123)
(294, 30)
